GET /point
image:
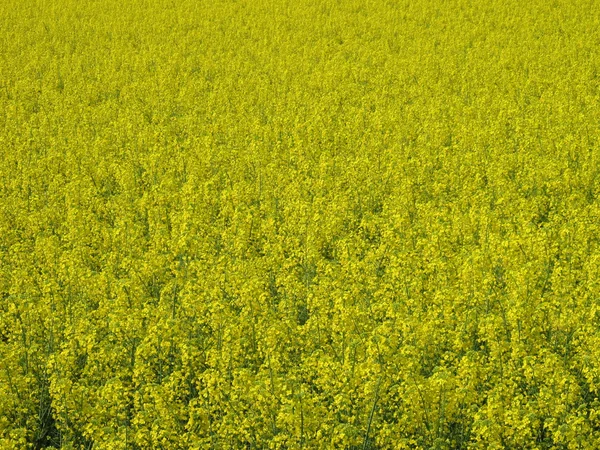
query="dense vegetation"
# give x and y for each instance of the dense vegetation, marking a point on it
(286, 224)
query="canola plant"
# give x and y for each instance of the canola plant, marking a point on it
(299, 224)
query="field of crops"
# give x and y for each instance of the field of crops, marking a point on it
(299, 224)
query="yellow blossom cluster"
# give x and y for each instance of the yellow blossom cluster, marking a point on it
(299, 224)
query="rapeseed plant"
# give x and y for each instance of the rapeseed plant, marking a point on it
(299, 225)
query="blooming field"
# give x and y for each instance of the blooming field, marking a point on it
(299, 224)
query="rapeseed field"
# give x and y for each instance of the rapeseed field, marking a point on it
(299, 224)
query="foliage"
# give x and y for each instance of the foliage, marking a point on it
(367, 224)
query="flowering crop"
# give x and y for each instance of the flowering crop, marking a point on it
(307, 224)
